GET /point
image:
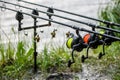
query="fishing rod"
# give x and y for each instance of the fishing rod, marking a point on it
(85, 23)
(35, 16)
(103, 21)
(70, 26)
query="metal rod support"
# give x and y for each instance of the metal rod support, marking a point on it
(35, 52)
(31, 27)
(78, 21)
(103, 21)
(71, 26)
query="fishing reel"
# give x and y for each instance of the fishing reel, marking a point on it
(75, 43)
(107, 41)
(93, 41)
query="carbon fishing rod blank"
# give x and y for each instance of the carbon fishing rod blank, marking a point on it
(70, 26)
(75, 14)
(50, 13)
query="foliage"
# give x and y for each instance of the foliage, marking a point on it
(11, 67)
(14, 58)
(112, 13)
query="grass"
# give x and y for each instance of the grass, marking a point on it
(51, 61)
(14, 58)
(58, 59)
(14, 67)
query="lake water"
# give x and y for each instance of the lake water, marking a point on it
(83, 7)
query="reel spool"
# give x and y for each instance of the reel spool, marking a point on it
(92, 40)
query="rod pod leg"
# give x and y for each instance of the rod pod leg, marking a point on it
(102, 54)
(70, 62)
(35, 62)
